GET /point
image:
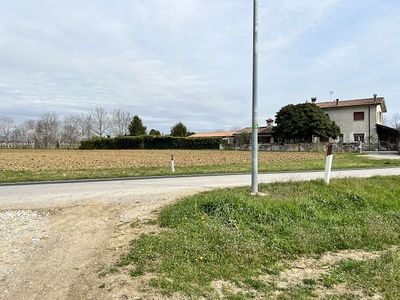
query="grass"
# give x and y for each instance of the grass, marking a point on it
(231, 236)
(379, 275)
(342, 161)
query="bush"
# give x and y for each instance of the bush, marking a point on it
(150, 142)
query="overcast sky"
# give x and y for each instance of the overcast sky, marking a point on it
(191, 60)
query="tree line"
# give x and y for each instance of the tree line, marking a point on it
(299, 122)
(50, 130)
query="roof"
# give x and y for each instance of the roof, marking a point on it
(355, 102)
(387, 128)
(213, 134)
(261, 130)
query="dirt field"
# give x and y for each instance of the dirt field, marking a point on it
(37, 160)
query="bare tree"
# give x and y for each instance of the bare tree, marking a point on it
(28, 132)
(120, 121)
(48, 129)
(236, 128)
(70, 129)
(100, 122)
(6, 126)
(17, 135)
(85, 126)
(394, 121)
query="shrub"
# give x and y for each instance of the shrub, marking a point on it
(150, 142)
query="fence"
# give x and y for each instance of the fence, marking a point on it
(386, 146)
(302, 147)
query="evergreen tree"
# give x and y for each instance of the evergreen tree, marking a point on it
(154, 132)
(179, 129)
(136, 127)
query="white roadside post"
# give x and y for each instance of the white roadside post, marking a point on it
(172, 163)
(328, 164)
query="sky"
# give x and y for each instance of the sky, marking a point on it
(190, 61)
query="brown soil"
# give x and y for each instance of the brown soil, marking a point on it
(44, 159)
(60, 253)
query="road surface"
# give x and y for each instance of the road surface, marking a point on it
(44, 195)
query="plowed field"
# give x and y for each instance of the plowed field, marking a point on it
(38, 160)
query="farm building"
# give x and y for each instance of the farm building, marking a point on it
(231, 137)
(227, 136)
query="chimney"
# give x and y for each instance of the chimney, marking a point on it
(337, 101)
(375, 95)
(313, 99)
(269, 122)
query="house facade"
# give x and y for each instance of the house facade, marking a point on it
(360, 120)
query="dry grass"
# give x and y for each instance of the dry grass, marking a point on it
(45, 160)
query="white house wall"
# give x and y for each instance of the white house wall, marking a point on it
(344, 118)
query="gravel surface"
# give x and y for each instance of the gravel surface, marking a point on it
(20, 233)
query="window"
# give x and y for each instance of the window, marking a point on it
(359, 137)
(359, 116)
(380, 117)
(341, 138)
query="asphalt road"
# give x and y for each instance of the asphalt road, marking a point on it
(151, 190)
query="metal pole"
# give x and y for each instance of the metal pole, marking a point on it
(254, 173)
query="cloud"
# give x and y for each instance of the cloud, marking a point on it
(191, 61)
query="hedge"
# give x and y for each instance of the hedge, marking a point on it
(150, 142)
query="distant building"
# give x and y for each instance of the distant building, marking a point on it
(265, 135)
(231, 137)
(227, 136)
(360, 120)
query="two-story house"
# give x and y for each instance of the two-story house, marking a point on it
(360, 120)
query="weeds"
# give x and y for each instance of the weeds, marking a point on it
(232, 236)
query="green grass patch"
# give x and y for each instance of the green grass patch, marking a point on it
(340, 161)
(232, 236)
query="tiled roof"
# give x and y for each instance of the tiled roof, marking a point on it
(213, 134)
(355, 102)
(261, 129)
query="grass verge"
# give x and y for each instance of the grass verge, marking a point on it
(244, 241)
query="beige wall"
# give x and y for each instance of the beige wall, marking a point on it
(344, 118)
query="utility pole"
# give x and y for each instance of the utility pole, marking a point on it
(254, 173)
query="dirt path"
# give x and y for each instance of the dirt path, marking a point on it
(59, 253)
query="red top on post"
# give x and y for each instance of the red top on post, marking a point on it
(330, 150)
